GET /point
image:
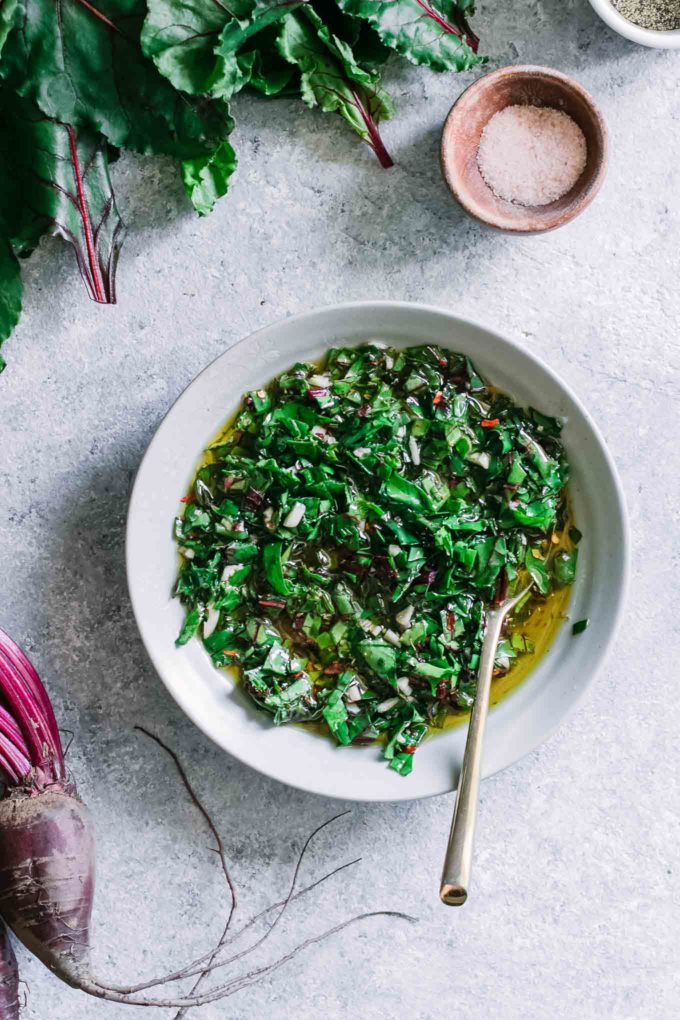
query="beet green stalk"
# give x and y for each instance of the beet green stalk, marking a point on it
(47, 861)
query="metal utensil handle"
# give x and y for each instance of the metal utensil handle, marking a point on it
(458, 859)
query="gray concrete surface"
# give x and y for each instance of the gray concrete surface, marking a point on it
(575, 905)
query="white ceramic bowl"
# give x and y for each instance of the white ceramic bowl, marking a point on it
(290, 753)
(643, 36)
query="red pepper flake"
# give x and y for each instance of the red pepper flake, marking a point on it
(228, 482)
(450, 620)
(410, 749)
(437, 398)
(488, 423)
(443, 362)
(230, 653)
(188, 499)
(297, 676)
(272, 603)
(333, 669)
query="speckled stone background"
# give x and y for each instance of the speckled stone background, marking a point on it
(575, 911)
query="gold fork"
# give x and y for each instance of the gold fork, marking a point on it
(458, 859)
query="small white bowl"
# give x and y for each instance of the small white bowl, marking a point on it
(292, 754)
(643, 36)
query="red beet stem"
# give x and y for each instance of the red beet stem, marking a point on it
(14, 764)
(9, 978)
(29, 709)
(10, 729)
(13, 750)
(27, 671)
(374, 139)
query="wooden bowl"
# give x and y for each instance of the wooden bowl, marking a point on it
(509, 86)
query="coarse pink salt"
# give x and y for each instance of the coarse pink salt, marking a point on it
(531, 155)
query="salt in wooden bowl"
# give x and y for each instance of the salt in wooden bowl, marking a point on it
(469, 115)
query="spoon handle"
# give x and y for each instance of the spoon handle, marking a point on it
(458, 859)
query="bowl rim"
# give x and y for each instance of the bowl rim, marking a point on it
(617, 597)
(650, 37)
(528, 71)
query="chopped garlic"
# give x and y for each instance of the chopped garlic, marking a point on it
(353, 692)
(404, 617)
(210, 622)
(386, 705)
(404, 686)
(294, 515)
(481, 458)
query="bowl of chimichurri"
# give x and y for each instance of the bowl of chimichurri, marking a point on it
(322, 521)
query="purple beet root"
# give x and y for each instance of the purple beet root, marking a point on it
(47, 850)
(47, 846)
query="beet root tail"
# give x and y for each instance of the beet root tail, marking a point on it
(9, 978)
(47, 875)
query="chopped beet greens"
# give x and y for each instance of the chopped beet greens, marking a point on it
(346, 532)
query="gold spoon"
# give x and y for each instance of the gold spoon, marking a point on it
(458, 859)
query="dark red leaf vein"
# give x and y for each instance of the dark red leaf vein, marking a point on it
(97, 287)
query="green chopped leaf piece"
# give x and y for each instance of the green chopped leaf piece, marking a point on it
(189, 628)
(273, 567)
(564, 566)
(380, 658)
(536, 566)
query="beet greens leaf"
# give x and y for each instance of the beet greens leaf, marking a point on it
(436, 34)
(83, 65)
(81, 77)
(207, 178)
(9, 12)
(332, 79)
(59, 182)
(10, 292)
(211, 50)
(181, 37)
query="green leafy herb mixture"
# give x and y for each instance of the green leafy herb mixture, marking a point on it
(345, 534)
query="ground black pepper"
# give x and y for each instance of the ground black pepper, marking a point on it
(659, 15)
